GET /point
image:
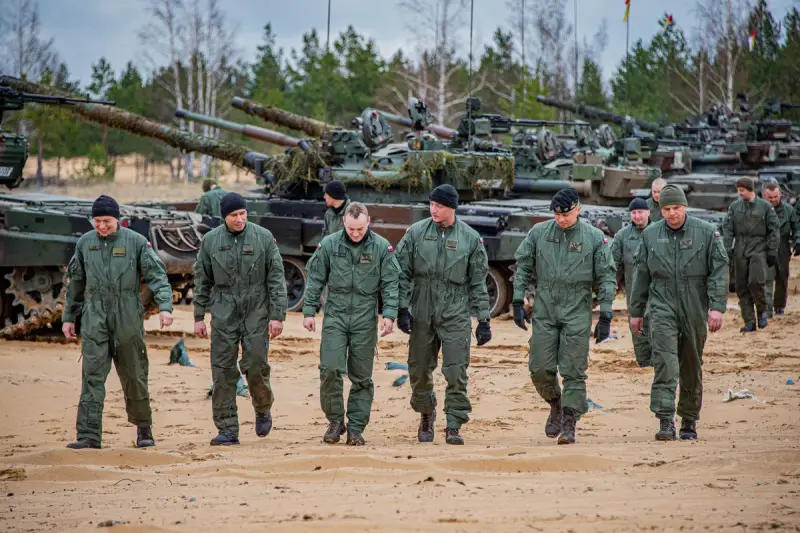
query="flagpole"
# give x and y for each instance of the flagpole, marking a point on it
(628, 57)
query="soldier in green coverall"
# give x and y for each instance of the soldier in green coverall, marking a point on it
(681, 280)
(778, 276)
(652, 202)
(569, 257)
(623, 250)
(443, 267)
(751, 235)
(356, 265)
(104, 284)
(239, 279)
(212, 196)
(337, 201)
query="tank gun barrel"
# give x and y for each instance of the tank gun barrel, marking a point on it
(590, 112)
(13, 100)
(309, 126)
(252, 132)
(138, 125)
(501, 124)
(441, 131)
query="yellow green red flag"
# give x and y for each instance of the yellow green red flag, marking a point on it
(627, 10)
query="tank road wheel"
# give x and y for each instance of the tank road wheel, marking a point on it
(33, 297)
(295, 272)
(497, 286)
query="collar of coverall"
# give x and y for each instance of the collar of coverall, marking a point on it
(445, 228)
(110, 237)
(235, 233)
(367, 235)
(338, 210)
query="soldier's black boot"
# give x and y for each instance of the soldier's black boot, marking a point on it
(425, 431)
(144, 437)
(688, 429)
(263, 424)
(334, 432)
(84, 443)
(553, 426)
(355, 437)
(769, 313)
(666, 430)
(568, 420)
(750, 326)
(224, 439)
(452, 437)
(762, 320)
(779, 311)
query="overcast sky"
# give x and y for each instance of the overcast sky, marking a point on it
(85, 30)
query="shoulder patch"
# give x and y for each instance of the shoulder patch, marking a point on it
(717, 234)
(605, 240)
(481, 240)
(391, 249)
(149, 244)
(319, 246)
(276, 240)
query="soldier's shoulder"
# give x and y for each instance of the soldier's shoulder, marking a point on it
(88, 237)
(764, 204)
(132, 236)
(418, 227)
(378, 240)
(706, 228)
(625, 230)
(469, 230)
(595, 234)
(329, 240)
(736, 204)
(543, 227)
(261, 231)
(652, 229)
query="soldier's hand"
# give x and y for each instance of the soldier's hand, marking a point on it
(602, 330)
(165, 317)
(483, 333)
(69, 330)
(200, 329)
(309, 323)
(636, 325)
(404, 320)
(387, 326)
(275, 328)
(714, 321)
(519, 315)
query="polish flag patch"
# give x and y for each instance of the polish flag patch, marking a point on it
(391, 248)
(605, 240)
(481, 240)
(717, 234)
(149, 245)
(319, 246)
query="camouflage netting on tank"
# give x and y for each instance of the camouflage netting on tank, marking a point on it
(297, 166)
(461, 170)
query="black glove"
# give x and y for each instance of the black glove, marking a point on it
(797, 247)
(483, 333)
(602, 329)
(404, 320)
(519, 315)
(771, 260)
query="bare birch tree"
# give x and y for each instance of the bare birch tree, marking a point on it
(436, 26)
(28, 54)
(723, 37)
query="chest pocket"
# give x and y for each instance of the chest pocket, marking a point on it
(223, 265)
(693, 258)
(123, 268)
(341, 269)
(425, 256)
(659, 260)
(252, 264)
(754, 223)
(456, 261)
(366, 272)
(629, 248)
(579, 265)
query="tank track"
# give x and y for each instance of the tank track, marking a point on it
(40, 308)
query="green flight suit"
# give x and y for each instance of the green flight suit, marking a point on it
(568, 264)
(623, 250)
(655, 210)
(680, 275)
(750, 234)
(355, 274)
(239, 279)
(334, 219)
(442, 278)
(778, 276)
(104, 282)
(209, 202)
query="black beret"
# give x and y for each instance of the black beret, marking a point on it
(105, 206)
(336, 190)
(231, 202)
(565, 200)
(446, 195)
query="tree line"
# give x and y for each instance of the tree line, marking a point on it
(190, 58)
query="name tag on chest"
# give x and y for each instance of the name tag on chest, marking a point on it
(365, 258)
(94, 248)
(118, 252)
(224, 248)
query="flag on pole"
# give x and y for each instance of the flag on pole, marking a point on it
(627, 10)
(666, 21)
(751, 40)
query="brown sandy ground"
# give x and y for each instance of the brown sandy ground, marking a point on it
(743, 475)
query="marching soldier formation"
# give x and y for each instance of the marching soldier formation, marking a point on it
(674, 269)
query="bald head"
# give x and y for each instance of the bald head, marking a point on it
(656, 186)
